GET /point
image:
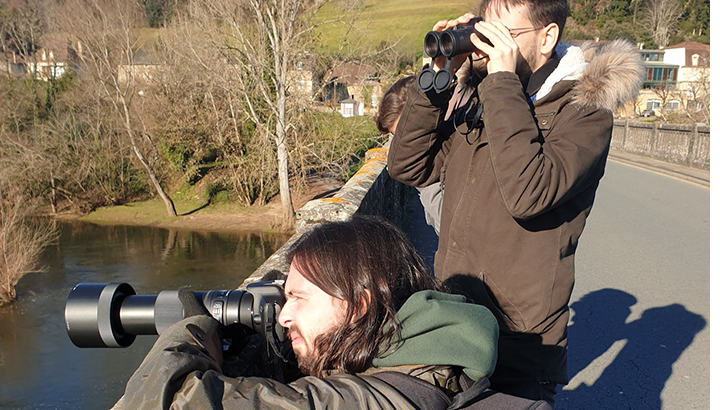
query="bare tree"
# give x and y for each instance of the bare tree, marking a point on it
(104, 29)
(22, 29)
(22, 239)
(264, 41)
(696, 95)
(635, 4)
(660, 19)
(664, 91)
(200, 107)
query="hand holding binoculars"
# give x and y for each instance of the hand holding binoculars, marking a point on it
(448, 43)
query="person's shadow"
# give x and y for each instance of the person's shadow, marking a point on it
(636, 376)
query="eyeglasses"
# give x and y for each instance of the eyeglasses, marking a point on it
(514, 32)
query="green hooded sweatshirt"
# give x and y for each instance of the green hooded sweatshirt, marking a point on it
(442, 329)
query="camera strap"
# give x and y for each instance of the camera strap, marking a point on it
(467, 111)
(272, 339)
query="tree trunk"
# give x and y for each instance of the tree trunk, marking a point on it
(169, 205)
(53, 194)
(285, 197)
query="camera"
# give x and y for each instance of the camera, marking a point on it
(112, 314)
(448, 43)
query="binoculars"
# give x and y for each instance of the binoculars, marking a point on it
(448, 43)
(111, 315)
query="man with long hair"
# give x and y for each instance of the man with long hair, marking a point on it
(360, 306)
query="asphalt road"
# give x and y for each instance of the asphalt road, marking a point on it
(639, 334)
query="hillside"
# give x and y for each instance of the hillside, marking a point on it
(405, 22)
(388, 21)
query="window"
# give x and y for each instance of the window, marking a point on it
(654, 104)
(657, 74)
(672, 105)
(694, 105)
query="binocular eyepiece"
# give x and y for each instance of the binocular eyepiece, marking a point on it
(111, 315)
(448, 43)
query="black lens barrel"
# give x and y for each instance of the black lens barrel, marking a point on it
(111, 315)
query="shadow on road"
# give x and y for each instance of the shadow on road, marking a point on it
(648, 347)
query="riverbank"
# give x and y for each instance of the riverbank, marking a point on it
(197, 215)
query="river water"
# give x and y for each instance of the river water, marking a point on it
(41, 369)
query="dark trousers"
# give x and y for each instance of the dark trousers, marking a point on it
(532, 391)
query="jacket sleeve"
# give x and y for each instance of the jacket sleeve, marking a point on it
(534, 174)
(418, 149)
(182, 371)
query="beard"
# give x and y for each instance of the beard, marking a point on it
(526, 65)
(306, 358)
(306, 363)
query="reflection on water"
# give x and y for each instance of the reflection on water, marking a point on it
(41, 369)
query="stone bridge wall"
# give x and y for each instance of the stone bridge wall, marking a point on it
(370, 191)
(678, 144)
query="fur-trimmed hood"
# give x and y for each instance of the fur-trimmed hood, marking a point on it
(608, 75)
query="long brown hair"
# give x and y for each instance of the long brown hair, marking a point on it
(370, 264)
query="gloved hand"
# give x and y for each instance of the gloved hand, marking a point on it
(191, 306)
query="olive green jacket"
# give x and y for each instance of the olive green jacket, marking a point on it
(183, 369)
(517, 191)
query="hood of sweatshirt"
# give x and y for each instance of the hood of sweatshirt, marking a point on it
(442, 329)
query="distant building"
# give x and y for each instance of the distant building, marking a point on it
(350, 107)
(13, 65)
(354, 81)
(143, 70)
(301, 78)
(52, 60)
(677, 78)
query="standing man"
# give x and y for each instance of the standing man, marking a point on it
(519, 171)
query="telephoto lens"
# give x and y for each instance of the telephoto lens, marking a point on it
(111, 315)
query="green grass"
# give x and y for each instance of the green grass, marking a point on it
(152, 210)
(403, 21)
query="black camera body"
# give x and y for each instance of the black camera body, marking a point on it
(448, 43)
(111, 315)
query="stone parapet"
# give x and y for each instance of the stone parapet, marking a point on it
(687, 145)
(370, 191)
